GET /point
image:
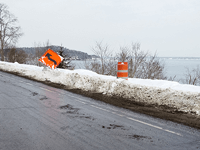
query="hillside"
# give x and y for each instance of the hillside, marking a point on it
(74, 54)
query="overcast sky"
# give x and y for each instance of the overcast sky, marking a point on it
(170, 27)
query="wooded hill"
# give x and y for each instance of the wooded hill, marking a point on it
(74, 54)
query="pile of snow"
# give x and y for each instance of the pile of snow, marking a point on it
(179, 96)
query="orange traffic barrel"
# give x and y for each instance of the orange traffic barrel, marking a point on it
(122, 70)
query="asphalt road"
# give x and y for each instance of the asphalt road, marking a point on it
(34, 116)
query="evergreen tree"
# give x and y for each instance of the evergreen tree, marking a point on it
(65, 64)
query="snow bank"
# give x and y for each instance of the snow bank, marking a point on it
(178, 96)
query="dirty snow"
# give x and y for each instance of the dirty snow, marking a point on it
(179, 96)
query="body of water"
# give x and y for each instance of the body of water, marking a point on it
(177, 66)
(174, 66)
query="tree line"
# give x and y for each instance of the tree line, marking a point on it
(22, 57)
(141, 64)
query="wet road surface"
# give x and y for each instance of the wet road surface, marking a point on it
(38, 117)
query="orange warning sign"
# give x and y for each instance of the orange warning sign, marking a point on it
(51, 59)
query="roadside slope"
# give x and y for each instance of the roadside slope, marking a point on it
(163, 99)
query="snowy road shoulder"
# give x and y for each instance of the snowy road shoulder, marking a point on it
(185, 98)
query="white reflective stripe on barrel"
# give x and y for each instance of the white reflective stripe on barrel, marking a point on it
(122, 70)
(123, 77)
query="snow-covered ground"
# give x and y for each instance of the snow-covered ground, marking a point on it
(179, 96)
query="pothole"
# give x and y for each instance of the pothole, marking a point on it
(70, 109)
(34, 93)
(114, 126)
(138, 137)
(43, 98)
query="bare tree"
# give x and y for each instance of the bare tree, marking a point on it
(141, 64)
(153, 68)
(136, 60)
(104, 53)
(9, 31)
(47, 45)
(124, 54)
(192, 76)
(172, 78)
(105, 64)
(94, 66)
(111, 66)
(19, 56)
(40, 49)
(11, 55)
